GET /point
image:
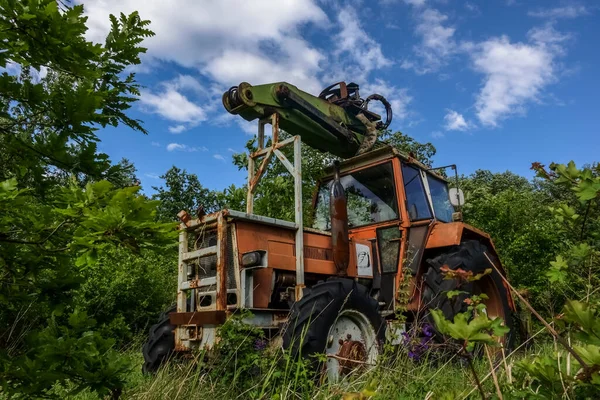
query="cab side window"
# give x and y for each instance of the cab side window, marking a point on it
(416, 199)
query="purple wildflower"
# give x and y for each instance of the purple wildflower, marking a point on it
(260, 344)
(414, 355)
(428, 330)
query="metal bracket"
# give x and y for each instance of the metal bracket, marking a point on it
(295, 169)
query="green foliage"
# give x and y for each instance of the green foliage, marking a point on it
(64, 205)
(423, 152)
(470, 330)
(69, 352)
(43, 246)
(49, 123)
(574, 271)
(550, 376)
(514, 212)
(183, 191)
(124, 292)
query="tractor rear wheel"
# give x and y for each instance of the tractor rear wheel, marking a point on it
(468, 256)
(339, 318)
(160, 344)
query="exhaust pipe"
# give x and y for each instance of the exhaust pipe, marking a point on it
(338, 210)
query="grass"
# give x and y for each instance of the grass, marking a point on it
(277, 377)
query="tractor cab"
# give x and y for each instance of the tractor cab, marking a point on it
(386, 191)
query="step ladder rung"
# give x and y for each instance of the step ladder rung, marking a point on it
(207, 251)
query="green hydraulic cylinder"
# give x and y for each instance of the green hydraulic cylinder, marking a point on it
(322, 125)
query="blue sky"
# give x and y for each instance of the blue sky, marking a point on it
(493, 84)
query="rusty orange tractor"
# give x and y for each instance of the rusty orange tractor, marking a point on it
(381, 221)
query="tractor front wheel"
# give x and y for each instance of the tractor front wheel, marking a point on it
(339, 318)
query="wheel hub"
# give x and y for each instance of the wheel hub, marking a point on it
(351, 345)
(349, 353)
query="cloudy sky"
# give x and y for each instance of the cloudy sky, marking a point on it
(494, 84)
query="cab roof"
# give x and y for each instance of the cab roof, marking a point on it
(381, 153)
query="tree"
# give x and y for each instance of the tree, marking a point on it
(515, 214)
(423, 152)
(59, 213)
(183, 191)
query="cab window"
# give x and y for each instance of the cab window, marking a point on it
(442, 207)
(416, 199)
(371, 197)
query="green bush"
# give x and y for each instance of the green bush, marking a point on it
(125, 292)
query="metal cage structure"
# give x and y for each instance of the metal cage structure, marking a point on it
(294, 168)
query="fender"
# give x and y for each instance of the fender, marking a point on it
(452, 234)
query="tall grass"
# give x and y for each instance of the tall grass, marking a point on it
(277, 377)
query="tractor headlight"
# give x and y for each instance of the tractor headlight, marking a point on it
(253, 259)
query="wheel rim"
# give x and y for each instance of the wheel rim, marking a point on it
(351, 345)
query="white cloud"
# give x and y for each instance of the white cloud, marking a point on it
(250, 127)
(232, 150)
(398, 97)
(175, 146)
(177, 129)
(437, 134)
(415, 3)
(569, 11)
(454, 121)
(12, 68)
(301, 67)
(210, 35)
(153, 176)
(363, 53)
(184, 147)
(187, 82)
(219, 157)
(172, 105)
(437, 43)
(515, 73)
(155, 144)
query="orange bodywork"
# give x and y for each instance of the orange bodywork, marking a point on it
(279, 243)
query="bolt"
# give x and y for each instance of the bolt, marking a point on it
(249, 94)
(341, 342)
(329, 341)
(348, 336)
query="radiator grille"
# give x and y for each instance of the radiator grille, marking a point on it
(207, 266)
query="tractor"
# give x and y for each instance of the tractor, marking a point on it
(381, 221)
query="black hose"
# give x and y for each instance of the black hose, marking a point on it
(386, 104)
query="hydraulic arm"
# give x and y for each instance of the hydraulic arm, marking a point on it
(337, 121)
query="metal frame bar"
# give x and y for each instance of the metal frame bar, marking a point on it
(183, 248)
(294, 168)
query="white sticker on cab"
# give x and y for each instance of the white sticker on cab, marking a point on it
(363, 260)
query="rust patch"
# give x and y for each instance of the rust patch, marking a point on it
(221, 295)
(318, 253)
(184, 217)
(198, 318)
(352, 354)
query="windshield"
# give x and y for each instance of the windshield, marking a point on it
(371, 198)
(416, 199)
(442, 207)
